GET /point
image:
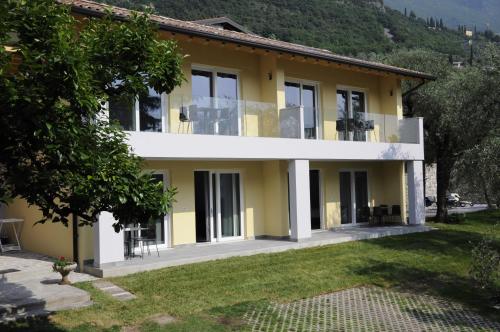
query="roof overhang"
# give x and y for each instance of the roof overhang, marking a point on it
(257, 43)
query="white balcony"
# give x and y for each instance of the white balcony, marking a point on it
(217, 128)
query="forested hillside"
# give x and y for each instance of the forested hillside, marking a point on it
(481, 13)
(345, 27)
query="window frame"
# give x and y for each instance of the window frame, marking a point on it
(137, 115)
(316, 85)
(214, 70)
(350, 90)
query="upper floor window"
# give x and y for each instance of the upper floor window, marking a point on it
(351, 115)
(298, 94)
(215, 108)
(143, 113)
(207, 84)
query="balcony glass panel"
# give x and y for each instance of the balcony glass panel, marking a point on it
(377, 128)
(223, 116)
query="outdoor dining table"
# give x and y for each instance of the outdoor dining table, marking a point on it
(130, 230)
(16, 225)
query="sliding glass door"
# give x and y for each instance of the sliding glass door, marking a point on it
(351, 114)
(353, 197)
(298, 94)
(345, 198)
(218, 206)
(228, 218)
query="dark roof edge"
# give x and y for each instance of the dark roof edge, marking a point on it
(332, 58)
(223, 19)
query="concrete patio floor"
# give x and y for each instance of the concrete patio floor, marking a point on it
(29, 287)
(206, 252)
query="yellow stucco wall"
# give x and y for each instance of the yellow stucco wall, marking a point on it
(51, 239)
(265, 201)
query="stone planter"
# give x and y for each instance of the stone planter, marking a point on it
(65, 271)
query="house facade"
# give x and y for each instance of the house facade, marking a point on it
(264, 139)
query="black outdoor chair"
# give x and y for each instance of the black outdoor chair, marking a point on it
(341, 125)
(396, 213)
(365, 215)
(184, 118)
(378, 215)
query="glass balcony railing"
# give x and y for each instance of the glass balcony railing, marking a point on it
(377, 128)
(229, 117)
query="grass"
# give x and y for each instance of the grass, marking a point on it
(213, 296)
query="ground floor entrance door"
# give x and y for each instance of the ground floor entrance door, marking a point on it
(218, 208)
(354, 205)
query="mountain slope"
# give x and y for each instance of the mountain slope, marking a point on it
(482, 13)
(345, 27)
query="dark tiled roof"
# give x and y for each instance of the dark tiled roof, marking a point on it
(204, 31)
(223, 21)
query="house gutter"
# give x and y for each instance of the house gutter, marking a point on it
(415, 88)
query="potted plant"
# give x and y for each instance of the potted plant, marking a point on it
(64, 267)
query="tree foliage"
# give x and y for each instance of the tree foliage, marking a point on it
(477, 173)
(344, 27)
(57, 149)
(461, 109)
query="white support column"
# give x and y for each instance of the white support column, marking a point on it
(108, 245)
(416, 202)
(300, 205)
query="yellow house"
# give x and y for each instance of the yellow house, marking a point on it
(265, 139)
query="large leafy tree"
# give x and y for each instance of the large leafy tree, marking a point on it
(57, 149)
(461, 108)
(477, 174)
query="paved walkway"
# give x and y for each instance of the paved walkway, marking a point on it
(367, 309)
(205, 252)
(29, 287)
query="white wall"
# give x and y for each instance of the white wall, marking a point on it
(108, 245)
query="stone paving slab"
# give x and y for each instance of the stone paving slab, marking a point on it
(368, 309)
(111, 289)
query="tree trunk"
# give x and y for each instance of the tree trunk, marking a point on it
(444, 165)
(485, 190)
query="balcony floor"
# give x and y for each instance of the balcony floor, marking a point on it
(189, 254)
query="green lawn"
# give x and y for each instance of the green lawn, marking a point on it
(212, 296)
